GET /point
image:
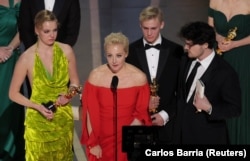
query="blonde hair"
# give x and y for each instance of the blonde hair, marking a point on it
(43, 16)
(151, 12)
(116, 38)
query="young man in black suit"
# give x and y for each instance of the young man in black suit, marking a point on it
(67, 12)
(159, 63)
(202, 120)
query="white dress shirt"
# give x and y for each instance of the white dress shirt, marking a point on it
(200, 71)
(152, 56)
(49, 4)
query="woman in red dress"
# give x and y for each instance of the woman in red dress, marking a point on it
(106, 109)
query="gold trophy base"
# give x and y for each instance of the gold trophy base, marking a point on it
(219, 52)
(153, 111)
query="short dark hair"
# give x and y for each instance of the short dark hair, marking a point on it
(199, 33)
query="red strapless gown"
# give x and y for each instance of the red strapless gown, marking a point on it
(132, 103)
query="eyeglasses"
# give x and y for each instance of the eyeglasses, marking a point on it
(189, 45)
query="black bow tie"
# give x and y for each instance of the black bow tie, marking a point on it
(157, 46)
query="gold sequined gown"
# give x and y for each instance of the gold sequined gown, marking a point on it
(49, 140)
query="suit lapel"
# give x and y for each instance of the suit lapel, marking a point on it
(58, 6)
(40, 5)
(141, 54)
(164, 53)
(187, 66)
(207, 76)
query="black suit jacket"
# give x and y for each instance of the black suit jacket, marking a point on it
(222, 89)
(67, 12)
(167, 73)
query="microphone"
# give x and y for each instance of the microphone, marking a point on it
(114, 82)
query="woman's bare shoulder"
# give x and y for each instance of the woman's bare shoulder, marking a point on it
(248, 6)
(137, 75)
(98, 75)
(26, 60)
(28, 55)
(215, 3)
(67, 49)
(64, 46)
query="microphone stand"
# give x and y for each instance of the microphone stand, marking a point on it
(114, 84)
(115, 122)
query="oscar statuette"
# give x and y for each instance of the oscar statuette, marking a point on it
(72, 91)
(153, 93)
(230, 36)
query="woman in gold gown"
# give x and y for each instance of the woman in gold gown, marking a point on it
(50, 66)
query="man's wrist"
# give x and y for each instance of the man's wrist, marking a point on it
(164, 116)
(209, 111)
